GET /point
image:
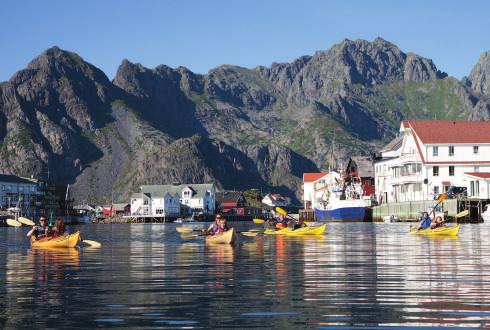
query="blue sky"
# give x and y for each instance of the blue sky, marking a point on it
(204, 34)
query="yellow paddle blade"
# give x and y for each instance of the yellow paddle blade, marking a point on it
(183, 229)
(258, 221)
(26, 221)
(254, 230)
(441, 198)
(281, 211)
(93, 244)
(462, 214)
(13, 223)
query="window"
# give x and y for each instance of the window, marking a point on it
(145, 202)
(476, 169)
(208, 193)
(475, 149)
(436, 190)
(451, 170)
(472, 188)
(451, 150)
(3, 187)
(477, 188)
(435, 171)
(435, 151)
(159, 211)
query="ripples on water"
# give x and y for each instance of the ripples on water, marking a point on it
(357, 275)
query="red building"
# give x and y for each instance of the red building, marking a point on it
(361, 169)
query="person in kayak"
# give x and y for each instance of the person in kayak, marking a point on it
(222, 226)
(438, 222)
(58, 228)
(214, 227)
(41, 230)
(282, 222)
(424, 221)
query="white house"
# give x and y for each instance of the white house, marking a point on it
(429, 156)
(17, 190)
(173, 200)
(479, 184)
(308, 188)
(276, 200)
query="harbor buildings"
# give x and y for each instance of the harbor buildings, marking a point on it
(430, 156)
(162, 201)
(18, 191)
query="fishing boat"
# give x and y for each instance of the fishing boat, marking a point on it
(338, 201)
(228, 237)
(69, 241)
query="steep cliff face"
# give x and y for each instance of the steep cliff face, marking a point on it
(480, 75)
(239, 127)
(46, 109)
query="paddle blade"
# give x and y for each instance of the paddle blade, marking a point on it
(183, 229)
(13, 223)
(441, 198)
(258, 221)
(26, 221)
(250, 234)
(93, 244)
(281, 211)
(189, 235)
(462, 214)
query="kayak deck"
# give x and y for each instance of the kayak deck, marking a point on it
(440, 231)
(228, 237)
(298, 232)
(69, 241)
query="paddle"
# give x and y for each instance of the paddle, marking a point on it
(13, 223)
(258, 220)
(249, 233)
(462, 214)
(26, 221)
(184, 229)
(93, 244)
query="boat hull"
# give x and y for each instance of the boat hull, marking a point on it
(306, 231)
(440, 231)
(69, 241)
(352, 213)
(228, 237)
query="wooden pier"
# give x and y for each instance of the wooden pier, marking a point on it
(410, 211)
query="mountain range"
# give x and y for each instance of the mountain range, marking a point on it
(238, 127)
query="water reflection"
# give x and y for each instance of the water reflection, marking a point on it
(371, 275)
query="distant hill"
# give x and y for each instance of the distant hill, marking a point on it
(242, 128)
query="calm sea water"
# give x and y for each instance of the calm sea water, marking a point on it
(357, 275)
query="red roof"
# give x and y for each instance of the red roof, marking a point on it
(450, 131)
(310, 177)
(483, 175)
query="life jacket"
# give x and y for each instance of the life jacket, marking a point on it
(425, 223)
(280, 225)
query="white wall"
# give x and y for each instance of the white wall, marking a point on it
(406, 186)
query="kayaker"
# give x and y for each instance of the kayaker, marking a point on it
(41, 230)
(438, 222)
(58, 228)
(214, 226)
(282, 222)
(424, 221)
(222, 226)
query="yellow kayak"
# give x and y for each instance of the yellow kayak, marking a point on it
(298, 232)
(440, 231)
(69, 241)
(228, 237)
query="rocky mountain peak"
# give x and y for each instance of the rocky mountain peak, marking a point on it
(479, 78)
